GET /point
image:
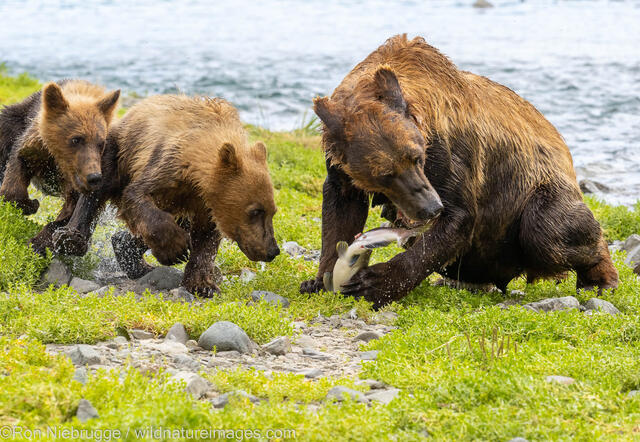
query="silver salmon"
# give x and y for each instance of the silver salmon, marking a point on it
(354, 257)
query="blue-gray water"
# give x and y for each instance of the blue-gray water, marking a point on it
(577, 61)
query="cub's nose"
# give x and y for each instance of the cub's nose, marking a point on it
(272, 253)
(94, 180)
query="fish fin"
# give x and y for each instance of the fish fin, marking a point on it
(341, 248)
(375, 245)
(327, 279)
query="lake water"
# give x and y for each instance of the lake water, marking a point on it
(577, 61)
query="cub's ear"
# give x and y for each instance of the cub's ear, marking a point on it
(53, 101)
(388, 89)
(228, 157)
(108, 103)
(260, 151)
(329, 114)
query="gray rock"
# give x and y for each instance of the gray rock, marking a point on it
(120, 340)
(228, 354)
(106, 290)
(633, 393)
(80, 375)
(192, 344)
(194, 384)
(632, 247)
(57, 274)
(140, 334)
(177, 333)
(223, 399)
(247, 275)
(370, 355)
(554, 304)
(86, 411)
(269, 297)
(184, 361)
(172, 347)
(292, 248)
(179, 295)
(588, 186)
(83, 285)
(220, 401)
(83, 354)
(367, 336)
(315, 354)
(305, 341)
(562, 380)
(601, 305)
(224, 336)
(161, 278)
(373, 384)
(385, 317)
(340, 392)
(279, 346)
(384, 396)
(311, 373)
(482, 4)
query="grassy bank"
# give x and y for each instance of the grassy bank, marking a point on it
(451, 388)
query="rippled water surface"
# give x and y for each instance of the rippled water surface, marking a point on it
(577, 61)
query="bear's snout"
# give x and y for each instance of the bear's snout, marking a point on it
(94, 180)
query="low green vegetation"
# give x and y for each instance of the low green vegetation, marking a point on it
(467, 369)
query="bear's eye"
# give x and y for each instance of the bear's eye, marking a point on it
(255, 213)
(76, 141)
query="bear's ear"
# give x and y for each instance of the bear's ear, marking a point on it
(260, 151)
(228, 157)
(53, 101)
(108, 103)
(388, 89)
(329, 114)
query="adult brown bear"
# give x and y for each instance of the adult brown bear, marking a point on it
(493, 175)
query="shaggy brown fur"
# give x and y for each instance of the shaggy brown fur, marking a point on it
(55, 137)
(186, 158)
(408, 127)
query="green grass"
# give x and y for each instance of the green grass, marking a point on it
(452, 389)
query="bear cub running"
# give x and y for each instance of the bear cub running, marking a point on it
(182, 173)
(55, 139)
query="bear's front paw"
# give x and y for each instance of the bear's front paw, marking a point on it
(311, 286)
(170, 245)
(379, 284)
(68, 241)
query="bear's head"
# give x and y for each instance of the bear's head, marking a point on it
(242, 201)
(378, 144)
(74, 130)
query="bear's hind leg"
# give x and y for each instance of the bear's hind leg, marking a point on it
(558, 232)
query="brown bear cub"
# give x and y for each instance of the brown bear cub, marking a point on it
(184, 159)
(55, 138)
(433, 143)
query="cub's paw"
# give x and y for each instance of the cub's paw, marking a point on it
(68, 241)
(311, 286)
(201, 285)
(28, 207)
(170, 245)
